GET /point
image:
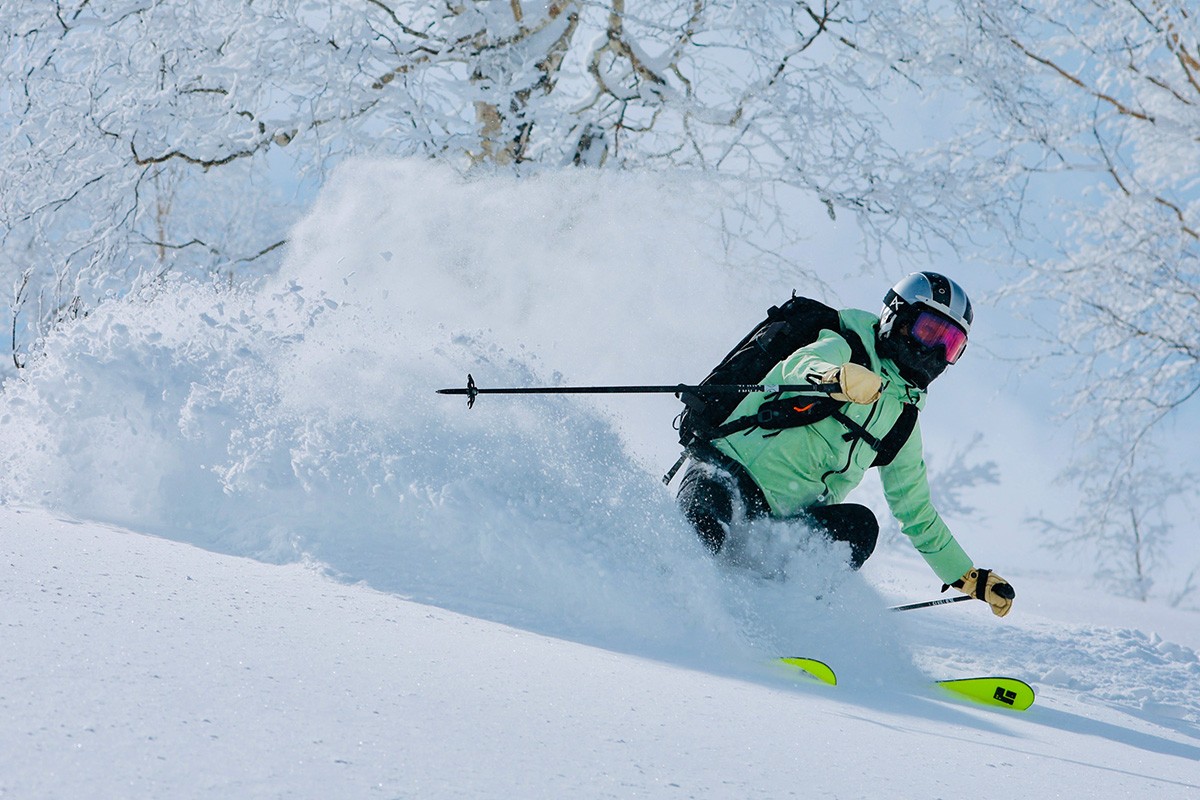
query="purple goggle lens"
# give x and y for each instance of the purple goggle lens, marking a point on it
(932, 330)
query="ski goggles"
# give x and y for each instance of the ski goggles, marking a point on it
(934, 330)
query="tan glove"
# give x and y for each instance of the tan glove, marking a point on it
(989, 587)
(858, 384)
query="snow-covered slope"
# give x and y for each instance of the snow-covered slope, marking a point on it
(248, 551)
(134, 666)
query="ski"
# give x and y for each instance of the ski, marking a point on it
(989, 691)
(813, 668)
(997, 691)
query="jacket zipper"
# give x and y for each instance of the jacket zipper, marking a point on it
(849, 458)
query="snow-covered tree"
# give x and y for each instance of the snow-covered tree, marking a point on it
(146, 135)
(1103, 99)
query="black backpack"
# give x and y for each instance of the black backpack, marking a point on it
(787, 328)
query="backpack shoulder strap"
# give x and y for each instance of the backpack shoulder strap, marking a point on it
(887, 448)
(890, 444)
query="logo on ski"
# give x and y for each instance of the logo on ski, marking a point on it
(1009, 698)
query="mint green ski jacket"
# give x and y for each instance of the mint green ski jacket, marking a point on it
(814, 465)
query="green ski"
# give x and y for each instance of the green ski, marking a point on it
(813, 668)
(1003, 692)
(995, 691)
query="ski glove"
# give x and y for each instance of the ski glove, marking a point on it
(987, 586)
(857, 384)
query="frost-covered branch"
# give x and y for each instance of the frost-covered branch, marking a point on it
(130, 125)
(1102, 100)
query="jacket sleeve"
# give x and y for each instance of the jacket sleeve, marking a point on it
(828, 351)
(906, 487)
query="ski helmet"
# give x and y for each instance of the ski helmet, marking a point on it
(924, 325)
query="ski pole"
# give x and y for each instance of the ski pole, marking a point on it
(956, 599)
(472, 391)
(1003, 590)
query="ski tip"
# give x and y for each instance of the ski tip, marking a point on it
(812, 668)
(995, 691)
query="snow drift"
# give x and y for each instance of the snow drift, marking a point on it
(297, 420)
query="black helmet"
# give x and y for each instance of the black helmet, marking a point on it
(924, 325)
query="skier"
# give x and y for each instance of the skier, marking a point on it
(804, 473)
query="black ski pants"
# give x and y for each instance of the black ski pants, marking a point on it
(712, 491)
